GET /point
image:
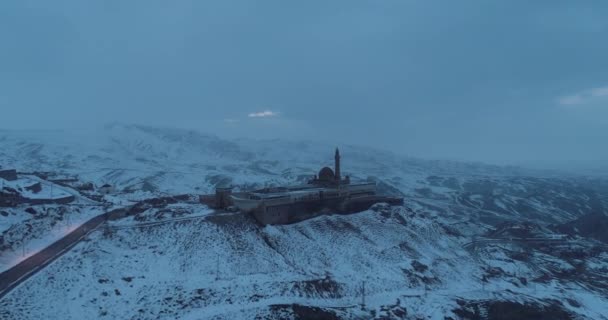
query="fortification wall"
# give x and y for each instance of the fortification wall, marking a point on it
(295, 212)
(292, 213)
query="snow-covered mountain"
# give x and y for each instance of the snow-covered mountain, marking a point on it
(473, 241)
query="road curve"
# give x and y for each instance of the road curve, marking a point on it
(14, 276)
(485, 241)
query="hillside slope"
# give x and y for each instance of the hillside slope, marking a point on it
(471, 241)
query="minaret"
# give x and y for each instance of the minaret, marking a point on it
(337, 165)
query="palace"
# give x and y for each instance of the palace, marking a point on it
(327, 192)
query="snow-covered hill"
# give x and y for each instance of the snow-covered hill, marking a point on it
(454, 250)
(126, 154)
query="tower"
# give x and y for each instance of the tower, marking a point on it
(222, 197)
(337, 165)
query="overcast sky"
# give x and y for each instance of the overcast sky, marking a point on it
(509, 82)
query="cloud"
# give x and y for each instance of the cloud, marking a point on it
(263, 114)
(585, 97)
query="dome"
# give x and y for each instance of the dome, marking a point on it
(326, 174)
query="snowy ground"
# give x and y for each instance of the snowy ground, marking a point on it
(230, 268)
(184, 261)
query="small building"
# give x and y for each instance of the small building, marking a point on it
(87, 186)
(106, 189)
(9, 199)
(9, 174)
(35, 188)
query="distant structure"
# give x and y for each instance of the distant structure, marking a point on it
(35, 188)
(106, 189)
(8, 175)
(222, 197)
(9, 198)
(326, 192)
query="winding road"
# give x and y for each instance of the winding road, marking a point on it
(482, 241)
(14, 276)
